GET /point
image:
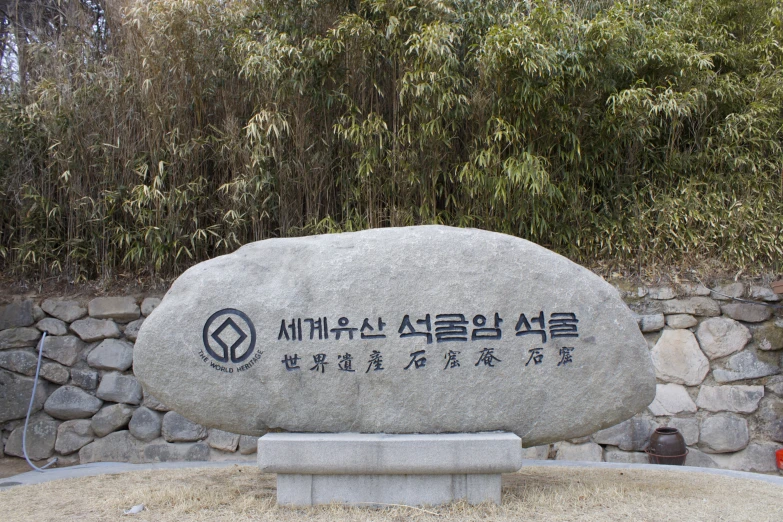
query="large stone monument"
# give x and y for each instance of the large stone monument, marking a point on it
(388, 355)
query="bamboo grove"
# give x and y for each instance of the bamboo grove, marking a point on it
(146, 136)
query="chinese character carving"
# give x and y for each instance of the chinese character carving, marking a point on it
(376, 362)
(565, 356)
(487, 357)
(536, 355)
(417, 359)
(344, 363)
(291, 363)
(451, 359)
(320, 362)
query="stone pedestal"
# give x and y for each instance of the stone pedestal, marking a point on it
(360, 469)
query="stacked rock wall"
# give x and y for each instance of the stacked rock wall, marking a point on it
(88, 406)
(717, 361)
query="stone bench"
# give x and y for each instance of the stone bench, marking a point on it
(358, 469)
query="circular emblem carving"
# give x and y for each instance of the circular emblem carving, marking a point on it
(229, 335)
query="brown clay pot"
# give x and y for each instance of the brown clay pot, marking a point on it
(667, 446)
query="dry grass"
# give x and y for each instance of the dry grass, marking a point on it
(537, 493)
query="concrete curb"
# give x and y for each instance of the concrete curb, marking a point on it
(772, 479)
(112, 468)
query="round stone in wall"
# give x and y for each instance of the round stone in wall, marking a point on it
(145, 424)
(111, 354)
(719, 337)
(70, 402)
(111, 418)
(723, 433)
(678, 359)
(177, 428)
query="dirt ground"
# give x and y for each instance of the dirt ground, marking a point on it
(241, 493)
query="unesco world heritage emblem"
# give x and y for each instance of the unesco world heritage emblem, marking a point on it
(233, 339)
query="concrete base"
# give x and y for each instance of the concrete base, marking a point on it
(411, 490)
(362, 469)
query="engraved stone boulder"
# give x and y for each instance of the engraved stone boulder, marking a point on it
(404, 330)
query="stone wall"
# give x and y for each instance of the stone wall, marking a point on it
(717, 360)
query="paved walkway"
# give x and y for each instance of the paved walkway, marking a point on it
(111, 468)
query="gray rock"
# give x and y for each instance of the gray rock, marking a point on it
(747, 312)
(758, 457)
(64, 349)
(695, 289)
(651, 323)
(625, 457)
(661, 293)
(671, 399)
(19, 338)
(111, 418)
(775, 385)
(55, 373)
(64, 310)
(678, 321)
(70, 402)
(119, 446)
(222, 440)
(678, 359)
(688, 427)
(770, 418)
(145, 424)
(723, 433)
(111, 354)
(738, 399)
(95, 329)
(16, 314)
(162, 451)
(116, 387)
(73, 435)
(177, 428)
(698, 459)
(763, 293)
(588, 452)
(631, 435)
(744, 365)
(729, 291)
(153, 403)
(52, 326)
(719, 337)
(122, 309)
(248, 444)
(769, 337)
(19, 361)
(701, 306)
(534, 453)
(392, 279)
(41, 436)
(132, 329)
(148, 305)
(85, 378)
(38, 313)
(15, 392)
